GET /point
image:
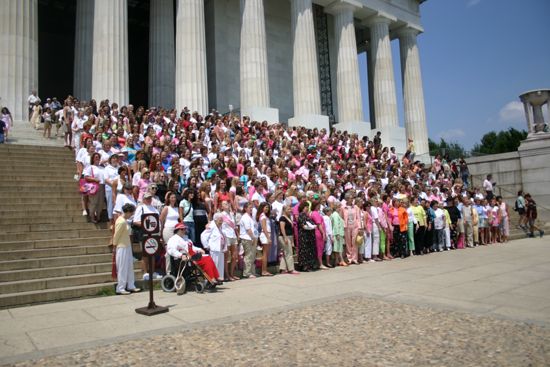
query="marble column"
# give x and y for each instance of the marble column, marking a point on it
(191, 72)
(161, 54)
(528, 117)
(305, 71)
(370, 82)
(110, 59)
(254, 81)
(348, 88)
(385, 99)
(413, 93)
(83, 50)
(18, 54)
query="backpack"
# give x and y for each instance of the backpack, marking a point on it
(516, 206)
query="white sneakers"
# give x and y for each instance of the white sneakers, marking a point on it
(156, 276)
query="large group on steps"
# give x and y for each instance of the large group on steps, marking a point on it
(303, 199)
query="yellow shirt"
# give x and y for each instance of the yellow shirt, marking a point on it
(121, 238)
(448, 217)
(419, 215)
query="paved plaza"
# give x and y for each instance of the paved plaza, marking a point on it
(482, 306)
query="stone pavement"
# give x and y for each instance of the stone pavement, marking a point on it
(496, 288)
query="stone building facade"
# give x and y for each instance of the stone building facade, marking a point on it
(278, 60)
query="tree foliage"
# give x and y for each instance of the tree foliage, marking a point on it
(501, 142)
(451, 149)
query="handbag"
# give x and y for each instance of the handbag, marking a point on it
(360, 239)
(88, 188)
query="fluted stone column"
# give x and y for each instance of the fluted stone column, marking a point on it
(161, 54)
(385, 99)
(348, 87)
(413, 93)
(254, 81)
(191, 73)
(110, 59)
(83, 50)
(305, 72)
(528, 117)
(18, 54)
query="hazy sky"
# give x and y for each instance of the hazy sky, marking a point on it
(477, 57)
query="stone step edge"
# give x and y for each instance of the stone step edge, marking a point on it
(48, 249)
(9, 300)
(80, 235)
(55, 239)
(45, 259)
(28, 281)
(57, 267)
(33, 228)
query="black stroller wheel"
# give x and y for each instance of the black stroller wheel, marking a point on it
(168, 283)
(199, 286)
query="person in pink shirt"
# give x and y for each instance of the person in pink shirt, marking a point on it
(352, 222)
(143, 183)
(320, 232)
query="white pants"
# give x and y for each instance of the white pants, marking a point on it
(109, 198)
(167, 232)
(76, 141)
(447, 237)
(368, 245)
(124, 269)
(219, 258)
(375, 235)
(328, 246)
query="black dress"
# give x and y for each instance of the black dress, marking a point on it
(307, 251)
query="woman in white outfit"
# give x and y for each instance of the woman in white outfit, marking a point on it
(123, 247)
(169, 217)
(213, 238)
(228, 229)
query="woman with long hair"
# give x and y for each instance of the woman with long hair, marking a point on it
(307, 252)
(320, 232)
(94, 173)
(229, 229)
(262, 217)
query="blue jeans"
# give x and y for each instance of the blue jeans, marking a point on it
(190, 230)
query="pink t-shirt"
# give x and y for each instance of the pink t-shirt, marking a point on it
(142, 185)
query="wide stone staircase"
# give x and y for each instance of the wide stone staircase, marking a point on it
(48, 250)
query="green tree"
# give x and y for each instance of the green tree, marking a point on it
(501, 142)
(452, 149)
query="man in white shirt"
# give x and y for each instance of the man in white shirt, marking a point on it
(33, 98)
(488, 187)
(111, 174)
(439, 227)
(248, 230)
(77, 127)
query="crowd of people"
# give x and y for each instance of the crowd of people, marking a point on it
(251, 194)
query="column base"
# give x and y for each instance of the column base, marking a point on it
(361, 128)
(261, 114)
(393, 137)
(310, 122)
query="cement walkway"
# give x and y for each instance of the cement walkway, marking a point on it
(509, 281)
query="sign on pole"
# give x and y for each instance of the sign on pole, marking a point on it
(150, 246)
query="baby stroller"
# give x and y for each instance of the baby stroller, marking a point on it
(185, 274)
